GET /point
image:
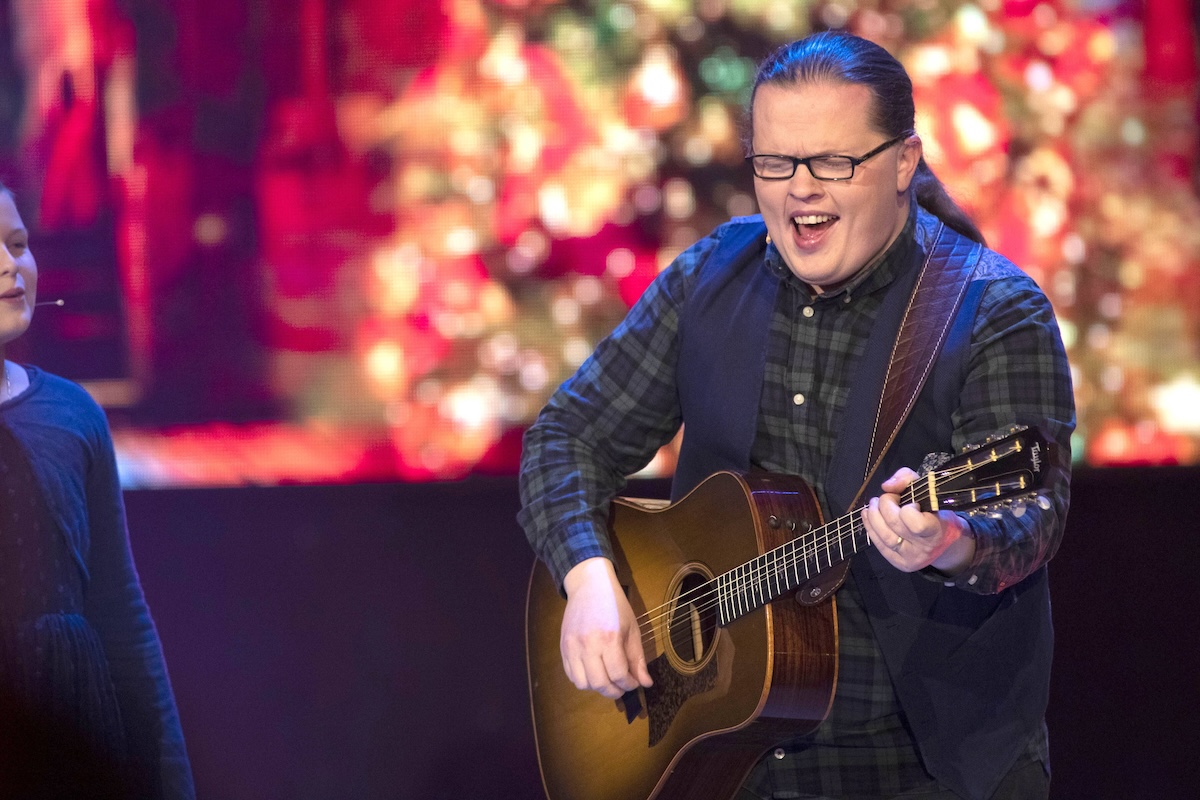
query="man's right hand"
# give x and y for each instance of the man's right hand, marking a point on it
(601, 642)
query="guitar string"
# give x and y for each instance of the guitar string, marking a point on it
(710, 593)
(816, 542)
(822, 538)
(782, 563)
(943, 473)
(780, 560)
(802, 549)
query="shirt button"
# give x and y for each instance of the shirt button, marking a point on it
(846, 299)
(779, 752)
(973, 580)
(808, 311)
(798, 399)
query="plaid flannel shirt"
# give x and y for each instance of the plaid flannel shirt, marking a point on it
(608, 421)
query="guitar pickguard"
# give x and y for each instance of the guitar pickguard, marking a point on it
(671, 690)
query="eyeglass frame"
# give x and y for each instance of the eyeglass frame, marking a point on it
(796, 162)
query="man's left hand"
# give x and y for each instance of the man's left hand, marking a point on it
(912, 539)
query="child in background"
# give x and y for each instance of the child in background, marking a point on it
(86, 707)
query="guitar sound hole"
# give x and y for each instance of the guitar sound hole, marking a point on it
(693, 622)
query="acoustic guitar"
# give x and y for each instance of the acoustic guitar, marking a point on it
(734, 673)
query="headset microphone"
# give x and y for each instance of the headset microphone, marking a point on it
(59, 302)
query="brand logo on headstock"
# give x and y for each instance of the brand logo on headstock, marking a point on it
(1035, 455)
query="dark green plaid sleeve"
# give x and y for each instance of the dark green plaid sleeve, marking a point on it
(1018, 374)
(605, 423)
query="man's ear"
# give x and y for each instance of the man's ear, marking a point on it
(909, 156)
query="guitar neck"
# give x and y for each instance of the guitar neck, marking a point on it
(776, 572)
(1004, 471)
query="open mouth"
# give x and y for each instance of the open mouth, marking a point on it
(813, 221)
(810, 227)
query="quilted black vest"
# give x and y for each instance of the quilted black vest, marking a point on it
(972, 672)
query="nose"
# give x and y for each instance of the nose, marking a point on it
(803, 185)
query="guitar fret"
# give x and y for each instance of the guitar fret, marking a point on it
(732, 596)
(763, 583)
(755, 587)
(758, 583)
(761, 580)
(740, 588)
(722, 616)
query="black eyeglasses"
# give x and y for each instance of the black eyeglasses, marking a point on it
(823, 168)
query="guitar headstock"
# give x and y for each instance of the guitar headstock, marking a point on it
(1003, 471)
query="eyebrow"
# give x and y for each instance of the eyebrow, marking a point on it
(814, 155)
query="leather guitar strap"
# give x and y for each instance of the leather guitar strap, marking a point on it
(940, 288)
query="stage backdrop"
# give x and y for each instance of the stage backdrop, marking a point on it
(366, 642)
(341, 240)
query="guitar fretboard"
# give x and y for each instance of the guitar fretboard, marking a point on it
(761, 580)
(778, 571)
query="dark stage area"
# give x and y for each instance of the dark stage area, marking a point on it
(366, 641)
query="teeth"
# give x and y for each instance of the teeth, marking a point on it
(812, 219)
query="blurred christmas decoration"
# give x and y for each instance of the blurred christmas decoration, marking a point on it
(448, 229)
(567, 142)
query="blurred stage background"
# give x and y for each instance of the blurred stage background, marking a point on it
(324, 259)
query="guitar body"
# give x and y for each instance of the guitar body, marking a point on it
(734, 673)
(721, 695)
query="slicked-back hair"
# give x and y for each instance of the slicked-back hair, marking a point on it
(840, 57)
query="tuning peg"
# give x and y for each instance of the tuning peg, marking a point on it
(995, 515)
(1018, 508)
(1043, 502)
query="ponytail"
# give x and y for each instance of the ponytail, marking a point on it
(932, 196)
